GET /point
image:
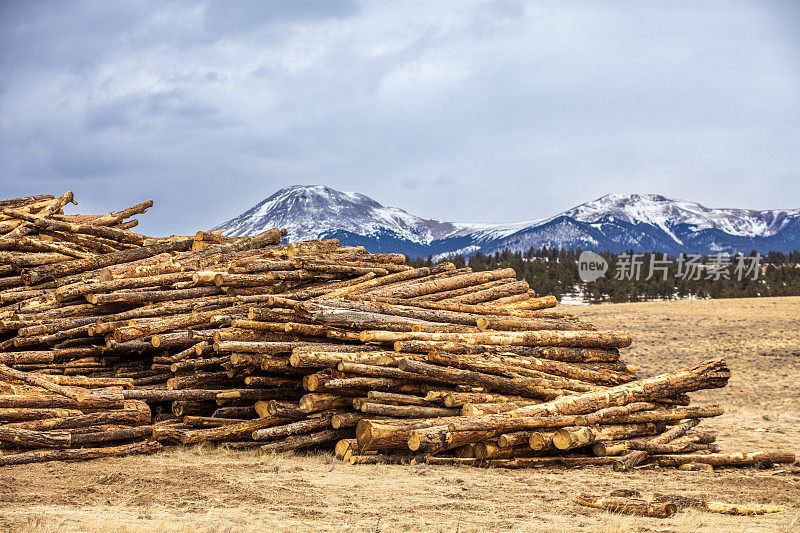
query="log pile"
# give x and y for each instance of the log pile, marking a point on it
(116, 343)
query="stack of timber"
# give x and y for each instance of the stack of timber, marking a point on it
(253, 343)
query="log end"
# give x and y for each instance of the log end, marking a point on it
(536, 442)
(562, 439)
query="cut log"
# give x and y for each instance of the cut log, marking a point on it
(527, 387)
(60, 270)
(578, 436)
(747, 509)
(295, 428)
(299, 442)
(79, 454)
(617, 504)
(630, 460)
(759, 459)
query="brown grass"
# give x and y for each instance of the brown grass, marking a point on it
(202, 488)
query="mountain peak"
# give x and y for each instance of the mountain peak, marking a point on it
(668, 213)
(318, 211)
(320, 194)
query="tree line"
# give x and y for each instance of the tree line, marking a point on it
(555, 271)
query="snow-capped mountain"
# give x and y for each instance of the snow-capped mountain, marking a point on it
(616, 222)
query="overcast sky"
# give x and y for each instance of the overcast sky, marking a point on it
(464, 111)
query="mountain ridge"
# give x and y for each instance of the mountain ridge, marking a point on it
(614, 222)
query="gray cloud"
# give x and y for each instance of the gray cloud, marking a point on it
(484, 111)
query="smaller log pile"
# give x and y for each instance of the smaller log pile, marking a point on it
(253, 343)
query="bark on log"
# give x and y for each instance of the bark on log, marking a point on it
(295, 428)
(82, 288)
(129, 416)
(759, 459)
(62, 402)
(407, 411)
(520, 386)
(542, 439)
(517, 438)
(493, 293)
(457, 399)
(33, 438)
(566, 354)
(617, 504)
(447, 295)
(386, 434)
(534, 304)
(312, 403)
(449, 283)
(709, 374)
(582, 338)
(299, 442)
(671, 415)
(79, 454)
(41, 382)
(493, 425)
(632, 459)
(747, 509)
(330, 359)
(230, 431)
(60, 270)
(378, 459)
(509, 367)
(114, 434)
(22, 414)
(539, 462)
(146, 297)
(479, 309)
(489, 450)
(399, 399)
(577, 436)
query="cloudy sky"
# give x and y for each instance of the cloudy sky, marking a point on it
(490, 111)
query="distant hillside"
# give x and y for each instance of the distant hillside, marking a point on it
(614, 223)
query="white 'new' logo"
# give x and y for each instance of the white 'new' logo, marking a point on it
(591, 266)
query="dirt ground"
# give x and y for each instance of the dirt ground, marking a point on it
(205, 489)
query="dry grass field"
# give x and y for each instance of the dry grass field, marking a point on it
(204, 489)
